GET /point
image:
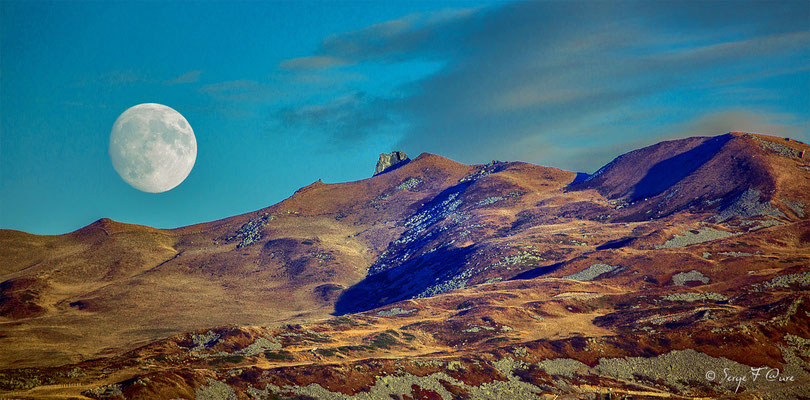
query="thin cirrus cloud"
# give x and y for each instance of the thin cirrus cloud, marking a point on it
(240, 91)
(340, 115)
(115, 78)
(188, 77)
(728, 120)
(399, 39)
(574, 77)
(311, 63)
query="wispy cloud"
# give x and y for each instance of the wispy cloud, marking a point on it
(240, 91)
(116, 78)
(188, 77)
(311, 63)
(393, 40)
(351, 116)
(777, 124)
(571, 75)
(123, 77)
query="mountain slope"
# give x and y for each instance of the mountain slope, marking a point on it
(292, 258)
(701, 174)
(435, 260)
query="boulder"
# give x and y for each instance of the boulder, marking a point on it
(389, 161)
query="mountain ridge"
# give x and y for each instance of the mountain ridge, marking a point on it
(784, 145)
(465, 247)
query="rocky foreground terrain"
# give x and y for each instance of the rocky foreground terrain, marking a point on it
(670, 272)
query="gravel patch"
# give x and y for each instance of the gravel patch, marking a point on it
(409, 183)
(682, 278)
(395, 311)
(420, 221)
(477, 328)
(490, 168)
(701, 235)
(203, 341)
(458, 281)
(692, 297)
(522, 258)
(766, 224)
(250, 232)
(746, 205)
(578, 295)
(564, 367)
(259, 346)
(489, 200)
(107, 391)
(397, 386)
(782, 150)
(681, 368)
(736, 254)
(215, 390)
(783, 281)
(801, 345)
(796, 206)
(591, 272)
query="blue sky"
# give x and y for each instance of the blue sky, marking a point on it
(281, 94)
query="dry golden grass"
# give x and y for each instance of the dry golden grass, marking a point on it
(111, 287)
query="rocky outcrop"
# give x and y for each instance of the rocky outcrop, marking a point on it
(250, 232)
(389, 161)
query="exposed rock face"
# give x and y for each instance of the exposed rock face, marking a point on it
(387, 161)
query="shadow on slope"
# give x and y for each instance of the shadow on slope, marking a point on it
(580, 178)
(394, 167)
(650, 171)
(406, 270)
(421, 276)
(668, 172)
(539, 271)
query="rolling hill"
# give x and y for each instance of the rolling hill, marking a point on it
(436, 279)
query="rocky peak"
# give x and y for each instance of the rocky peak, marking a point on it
(389, 161)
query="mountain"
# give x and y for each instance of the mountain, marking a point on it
(736, 170)
(435, 278)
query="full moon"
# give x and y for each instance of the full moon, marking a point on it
(152, 147)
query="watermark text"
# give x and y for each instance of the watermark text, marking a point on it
(766, 374)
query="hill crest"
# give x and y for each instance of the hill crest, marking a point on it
(430, 227)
